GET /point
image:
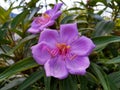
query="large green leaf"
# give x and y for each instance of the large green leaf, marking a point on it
(83, 83)
(113, 60)
(54, 84)
(103, 27)
(69, 83)
(68, 19)
(4, 14)
(105, 81)
(91, 78)
(47, 81)
(19, 18)
(13, 83)
(115, 77)
(31, 79)
(102, 41)
(22, 65)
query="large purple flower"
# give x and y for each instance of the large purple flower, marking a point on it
(47, 19)
(63, 52)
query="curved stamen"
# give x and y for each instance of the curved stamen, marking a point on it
(53, 52)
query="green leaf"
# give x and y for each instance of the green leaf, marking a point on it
(3, 32)
(103, 27)
(31, 79)
(75, 8)
(83, 83)
(19, 18)
(13, 83)
(33, 12)
(47, 81)
(91, 78)
(100, 75)
(69, 83)
(4, 14)
(113, 60)
(102, 41)
(4, 41)
(94, 2)
(22, 65)
(68, 18)
(108, 1)
(115, 77)
(105, 81)
(2, 11)
(18, 32)
(54, 83)
(2, 55)
(96, 16)
(32, 3)
(21, 42)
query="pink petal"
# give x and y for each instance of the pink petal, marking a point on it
(33, 30)
(56, 67)
(35, 22)
(53, 11)
(50, 12)
(50, 23)
(68, 32)
(57, 7)
(82, 46)
(56, 15)
(40, 52)
(49, 36)
(77, 65)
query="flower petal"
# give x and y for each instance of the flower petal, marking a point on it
(82, 46)
(77, 65)
(50, 36)
(33, 30)
(53, 11)
(56, 67)
(56, 15)
(35, 22)
(50, 12)
(68, 32)
(40, 52)
(50, 23)
(57, 7)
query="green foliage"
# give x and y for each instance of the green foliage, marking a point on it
(22, 65)
(103, 27)
(102, 41)
(31, 79)
(19, 71)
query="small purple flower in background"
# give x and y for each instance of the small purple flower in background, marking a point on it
(63, 52)
(47, 19)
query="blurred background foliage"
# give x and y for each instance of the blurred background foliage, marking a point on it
(19, 71)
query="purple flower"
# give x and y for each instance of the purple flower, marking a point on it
(47, 19)
(63, 52)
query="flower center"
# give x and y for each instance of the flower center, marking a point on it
(46, 16)
(63, 48)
